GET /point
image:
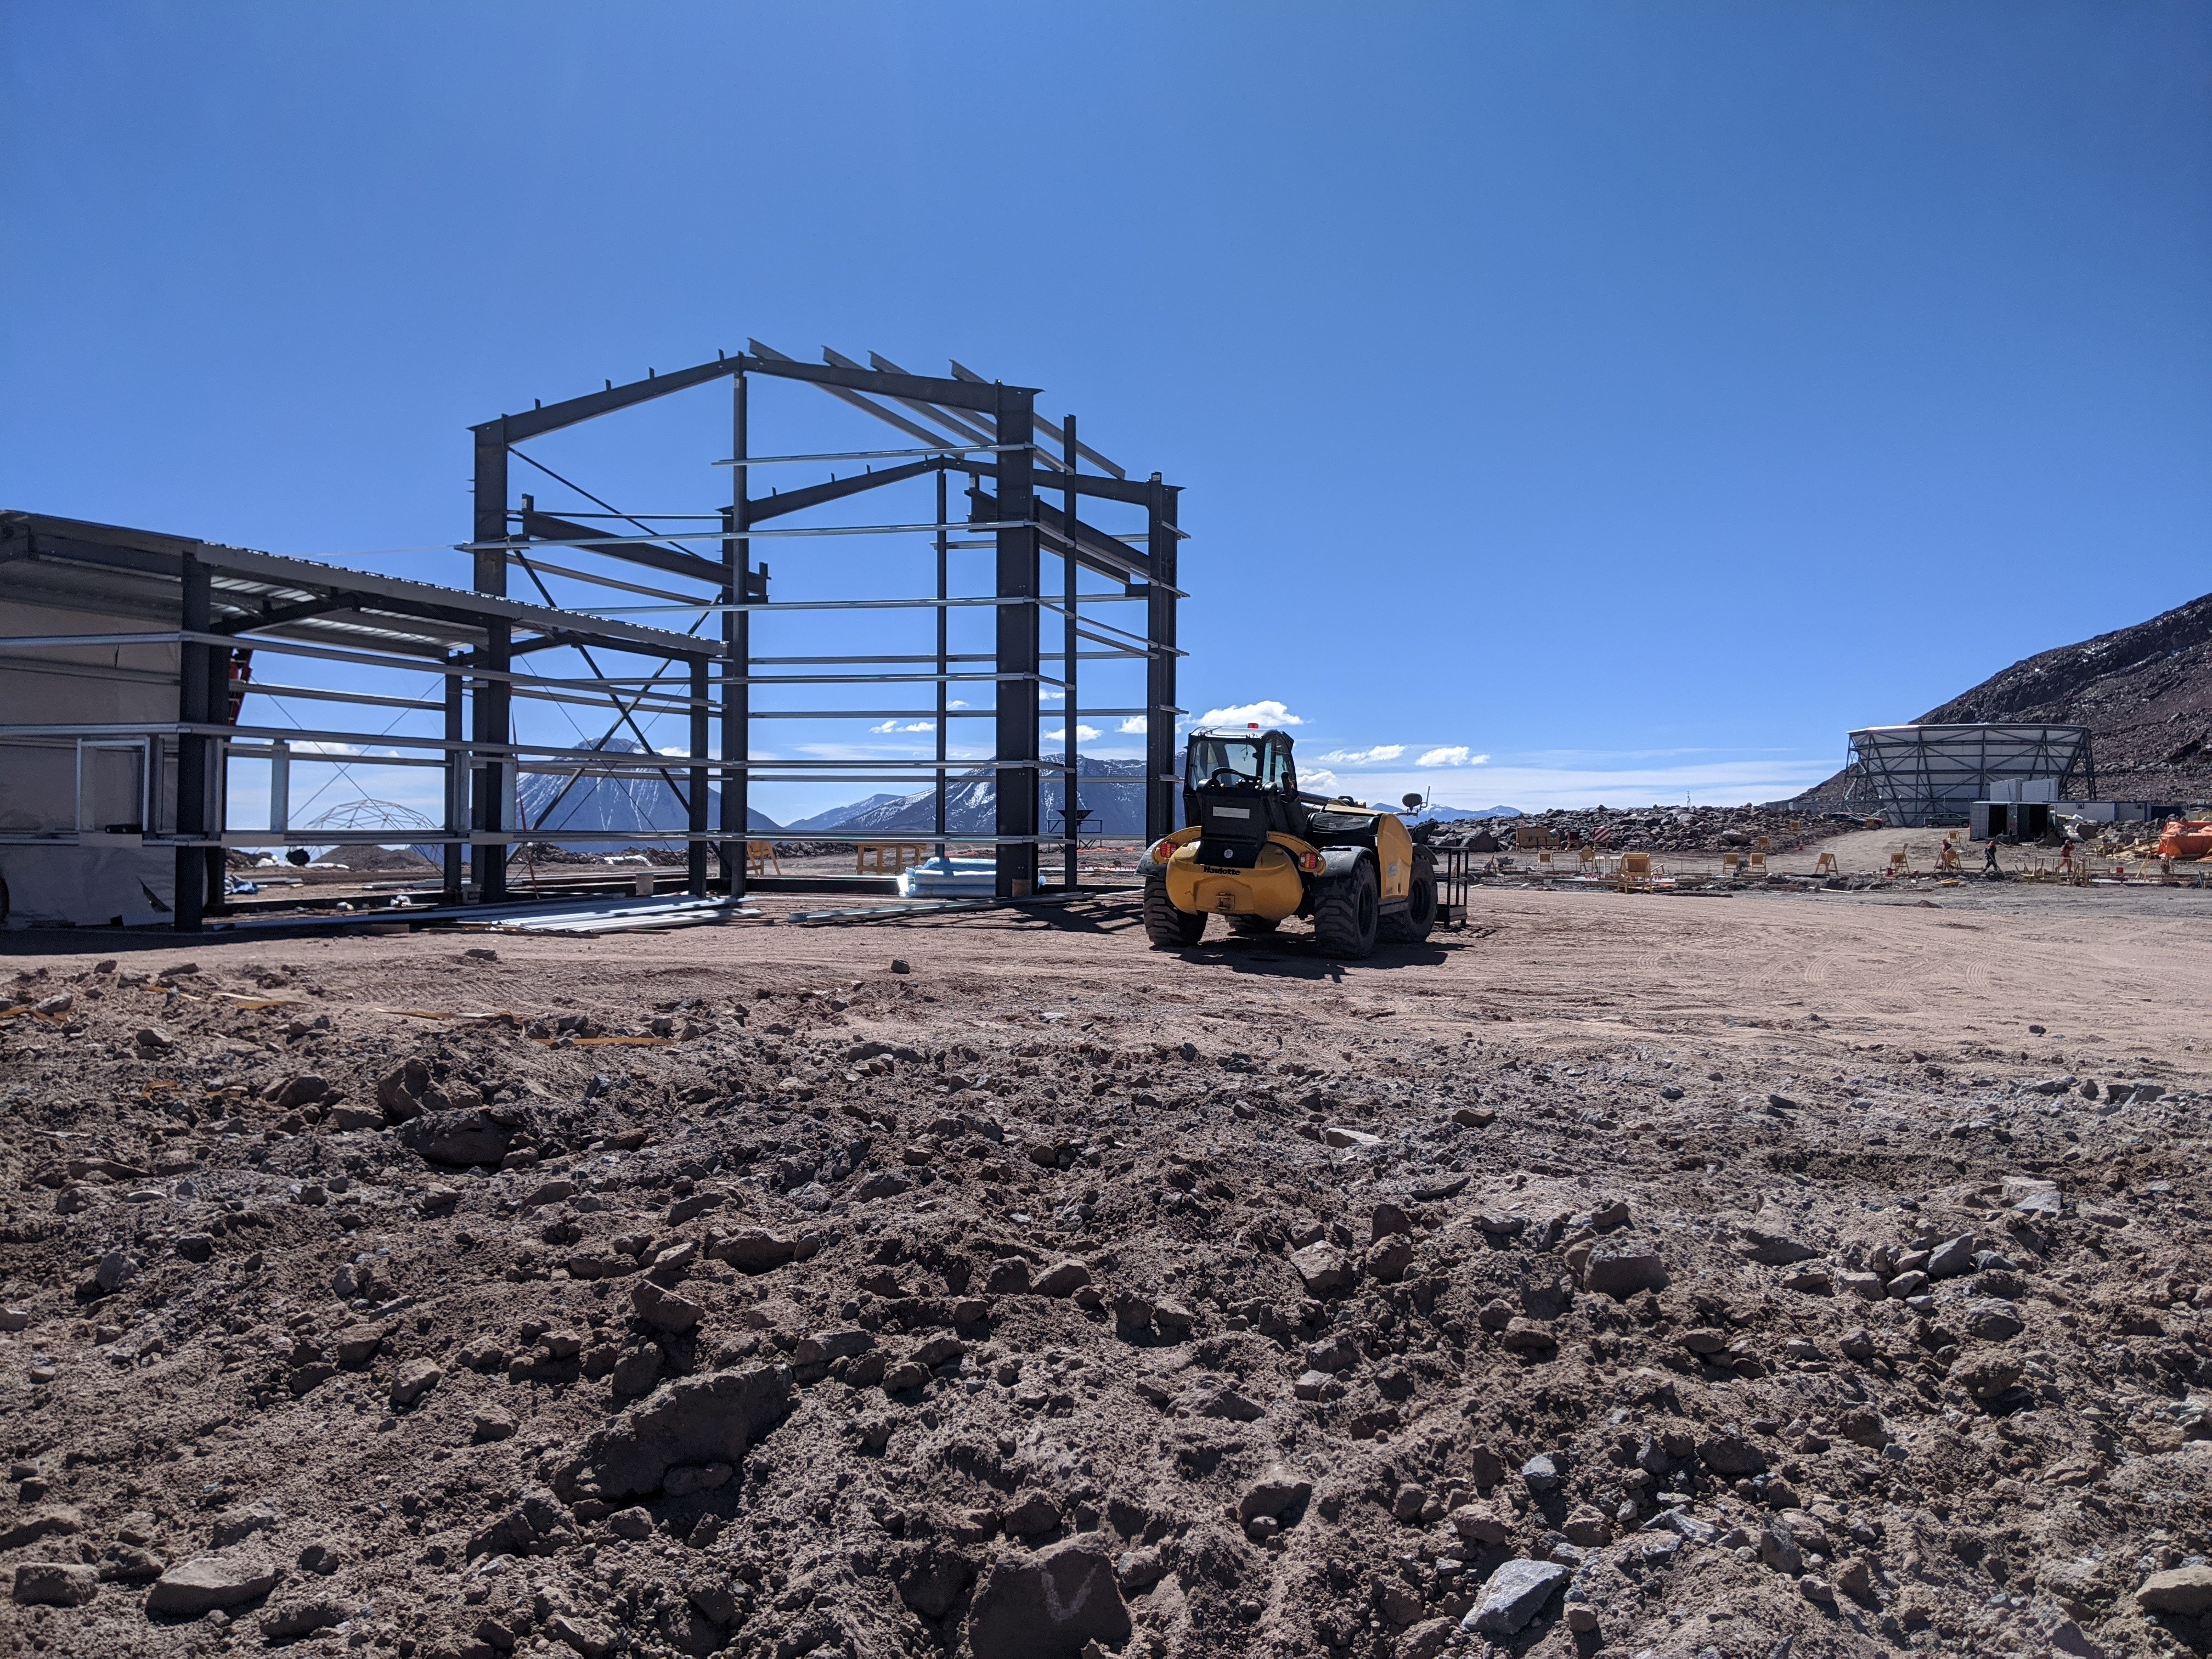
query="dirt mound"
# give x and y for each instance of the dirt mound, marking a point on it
(2144, 692)
(1044, 1296)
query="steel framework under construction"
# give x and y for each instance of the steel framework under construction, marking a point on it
(1918, 776)
(141, 772)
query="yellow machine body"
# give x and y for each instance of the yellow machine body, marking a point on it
(1272, 889)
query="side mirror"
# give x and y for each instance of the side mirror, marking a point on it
(1412, 802)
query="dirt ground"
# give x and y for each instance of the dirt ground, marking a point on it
(1737, 1274)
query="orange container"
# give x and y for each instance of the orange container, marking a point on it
(2186, 838)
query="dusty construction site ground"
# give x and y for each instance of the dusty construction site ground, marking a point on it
(1587, 1282)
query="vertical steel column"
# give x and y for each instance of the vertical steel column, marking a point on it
(492, 766)
(1160, 785)
(457, 784)
(695, 850)
(943, 646)
(737, 656)
(197, 616)
(490, 520)
(1071, 785)
(1017, 647)
(487, 771)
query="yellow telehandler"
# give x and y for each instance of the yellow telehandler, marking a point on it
(1256, 851)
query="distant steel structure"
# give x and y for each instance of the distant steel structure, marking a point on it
(1917, 776)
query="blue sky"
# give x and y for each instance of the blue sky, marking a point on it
(1636, 396)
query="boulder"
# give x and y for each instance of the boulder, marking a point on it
(754, 1250)
(1278, 1490)
(1048, 1605)
(207, 1582)
(415, 1379)
(1622, 1267)
(663, 1310)
(699, 1419)
(56, 1584)
(1389, 1260)
(1952, 1257)
(1732, 1455)
(303, 1090)
(1063, 1279)
(1989, 1320)
(1322, 1266)
(1477, 1524)
(300, 1615)
(238, 1525)
(1770, 1241)
(2186, 1591)
(1514, 1595)
(408, 1091)
(457, 1139)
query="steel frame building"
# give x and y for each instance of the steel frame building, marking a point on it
(213, 608)
(1918, 776)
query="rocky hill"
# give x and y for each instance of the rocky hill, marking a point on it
(2144, 692)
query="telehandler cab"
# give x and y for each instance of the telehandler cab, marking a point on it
(1256, 850)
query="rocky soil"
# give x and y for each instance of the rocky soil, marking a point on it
(1035, 1294)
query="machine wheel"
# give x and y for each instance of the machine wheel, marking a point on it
(1411, 924)
(1252, 926)
(1169, 929)
(1346, 912)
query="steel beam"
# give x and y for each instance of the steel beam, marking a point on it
(696, 815)
(798, 501)
(1019, 647)
(537, 525)
(195, 773)
(1161, 795)
(737, 653)
(490, 771)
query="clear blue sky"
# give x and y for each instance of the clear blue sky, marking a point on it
(1639, 396)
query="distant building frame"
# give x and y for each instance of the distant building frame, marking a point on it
(1917, 776)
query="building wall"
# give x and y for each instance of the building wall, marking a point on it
(89, 885)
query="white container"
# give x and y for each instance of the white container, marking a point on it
(949, 878)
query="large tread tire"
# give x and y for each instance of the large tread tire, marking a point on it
(1252, 926)
(1347, 914)
(1414, 923)
(1169, 929)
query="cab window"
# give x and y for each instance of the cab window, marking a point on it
(1277, 773)
(1212, 756)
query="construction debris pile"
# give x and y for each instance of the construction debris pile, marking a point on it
(1659, 828)
(886, 1314)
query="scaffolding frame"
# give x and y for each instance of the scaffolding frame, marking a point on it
(216, 608)
(1919, 776)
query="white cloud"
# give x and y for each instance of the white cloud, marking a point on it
(324, 747)
(1457, 755)
(1083, 734)
(1266, 712)
(1377, 756)
(1316, 777)
(956, 703)
(1049, 694)
(1134, 726)
(912, 725)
